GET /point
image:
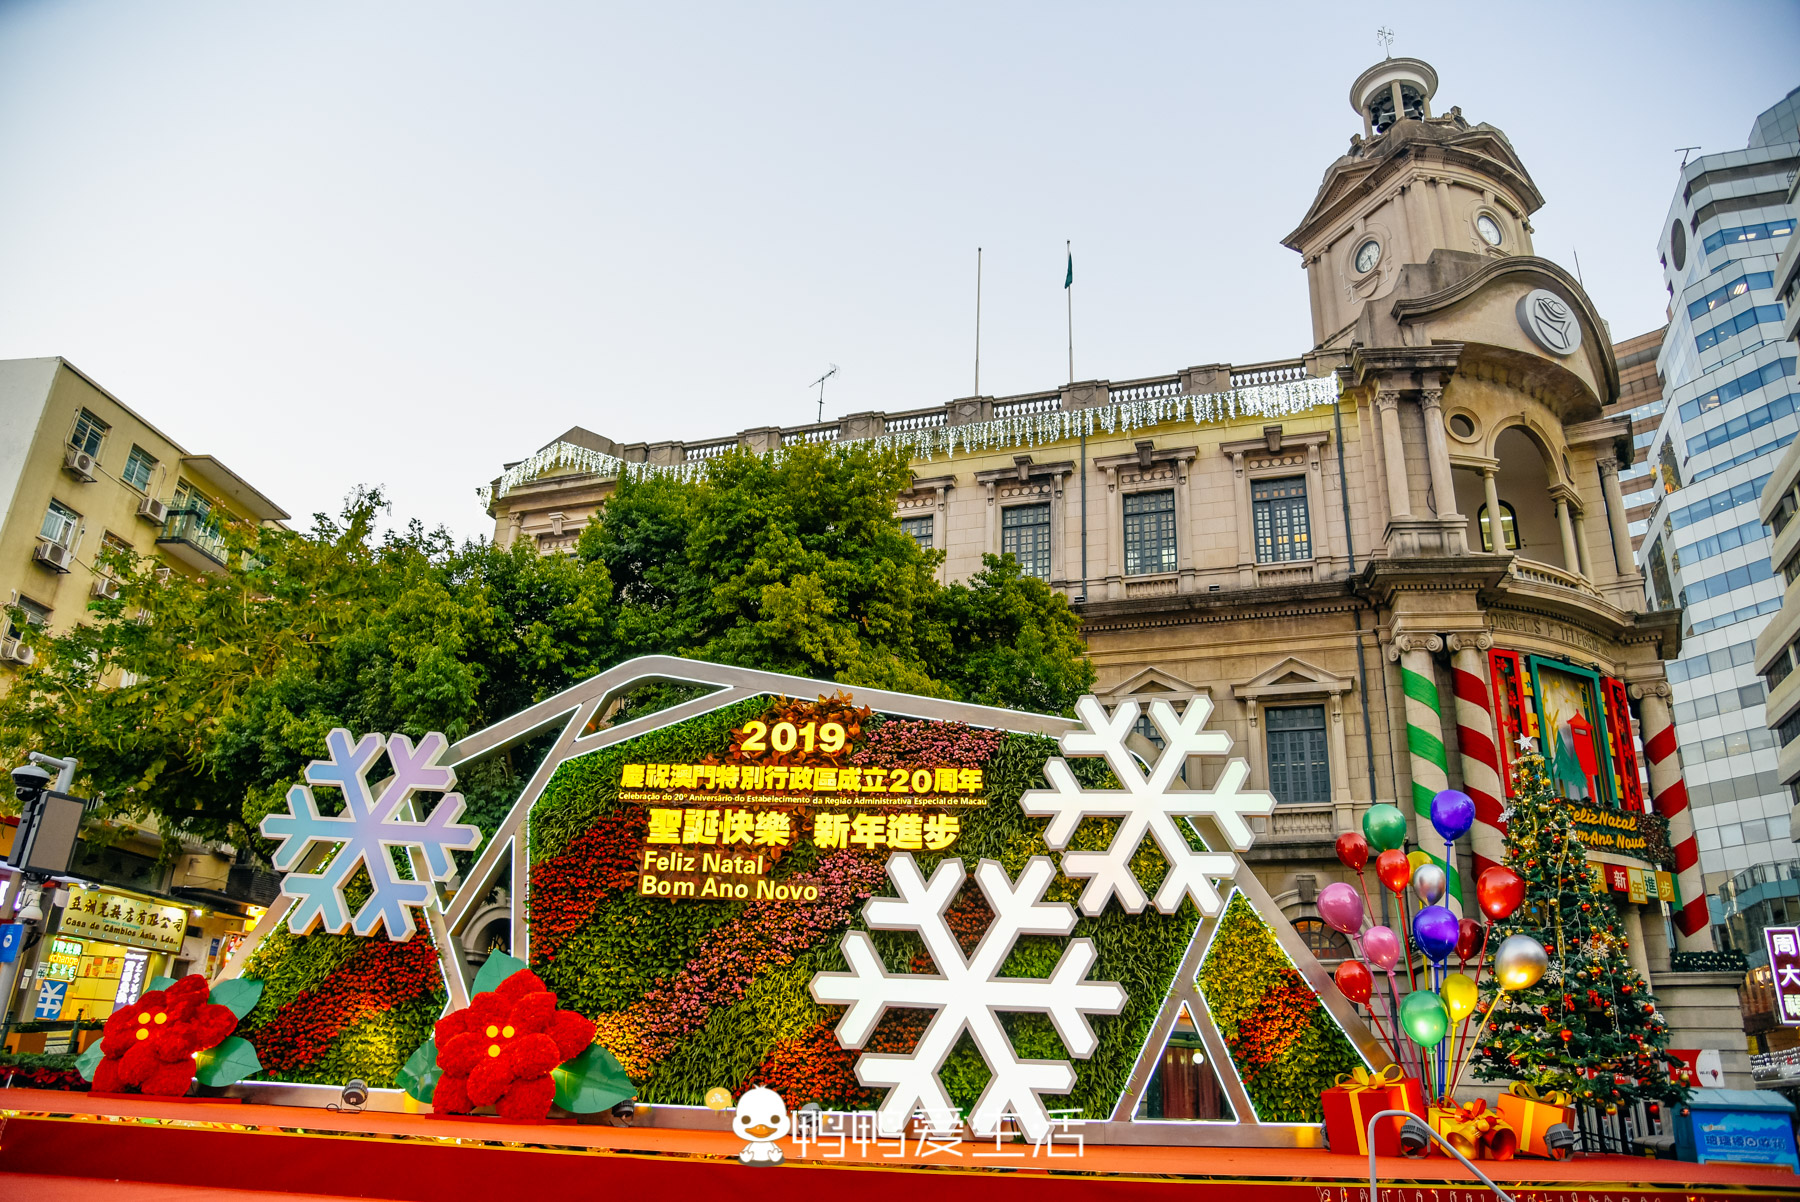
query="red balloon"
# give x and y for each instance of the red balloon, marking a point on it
(1394, 869)
(1353, 850)
(1500, 890)
(1355, 982)
(1471, 937)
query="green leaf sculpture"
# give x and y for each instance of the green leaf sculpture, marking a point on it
(155, 983)
(495, 969)
(591, 1082)
(238, 996)
(88, 1061)
(419, 1075)
(228, 1063)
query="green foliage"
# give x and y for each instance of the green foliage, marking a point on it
(238, 996)
(419, 1075)
(1284, 1043)
(227, 1064)
(591, 1082)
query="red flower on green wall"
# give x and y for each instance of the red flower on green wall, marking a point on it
(150, 1045)
(500, 1050)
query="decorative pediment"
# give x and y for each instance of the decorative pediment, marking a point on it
(1148, 684)
(1292, 677)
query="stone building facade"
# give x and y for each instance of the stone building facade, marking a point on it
(1385, 561)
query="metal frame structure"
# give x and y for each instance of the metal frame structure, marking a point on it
(573, 715)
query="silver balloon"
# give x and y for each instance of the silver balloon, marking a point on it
(1430, 883)
(1520, 962)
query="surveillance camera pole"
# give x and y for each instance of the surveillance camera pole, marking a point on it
(1374, 1194)
(64, 767)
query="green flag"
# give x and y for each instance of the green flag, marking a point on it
(1069, 280)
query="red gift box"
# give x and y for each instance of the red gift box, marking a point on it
(1357, 1097)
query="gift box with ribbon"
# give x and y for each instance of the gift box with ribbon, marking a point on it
(1530, 1114)
(1475, 1131)
(1357, 1097)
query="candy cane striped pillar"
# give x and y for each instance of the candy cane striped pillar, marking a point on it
(1475, 740)
(1693, 930)
(1425, 747)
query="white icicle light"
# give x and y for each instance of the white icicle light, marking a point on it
(1024, 430)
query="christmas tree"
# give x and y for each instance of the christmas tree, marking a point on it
(1589, 1027)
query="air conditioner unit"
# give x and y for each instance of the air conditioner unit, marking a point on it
(54, 555)
(153, 510)
(13, 651)
(79, 464)
(105, 587)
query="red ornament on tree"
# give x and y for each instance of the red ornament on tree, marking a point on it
(499, 1051)
(150, 1045)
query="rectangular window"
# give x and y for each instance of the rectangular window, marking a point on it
(60, 524)
(1298, 769)
(1025, 535)
(919, 530)
(1149, 532)
(1749, 233)
(1778, 671)
(1731, 390)
(1737, 288)
(1283, 529)
(138, 469)
(89, 433)
(22, 613)
(1738, 494)
(1789, 729)
(188, 499)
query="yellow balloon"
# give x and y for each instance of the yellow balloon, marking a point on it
(1417, 859)
(1460, 995)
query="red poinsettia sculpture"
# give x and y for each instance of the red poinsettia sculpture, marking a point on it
(150, 1045)
(499, 1051)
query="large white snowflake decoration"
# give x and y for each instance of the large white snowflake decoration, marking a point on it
(967, 994)
(367, 829)
(1146, 805)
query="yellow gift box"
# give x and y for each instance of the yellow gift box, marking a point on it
(1530, 1114)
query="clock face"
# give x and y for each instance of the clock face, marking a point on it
(1367, 255)
(1489, 229)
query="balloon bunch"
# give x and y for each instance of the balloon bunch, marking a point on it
(1436, 999)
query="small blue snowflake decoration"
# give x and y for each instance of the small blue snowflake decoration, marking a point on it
(367, 829)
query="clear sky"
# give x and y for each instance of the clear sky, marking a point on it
(404, 243)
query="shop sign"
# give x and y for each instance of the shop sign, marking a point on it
(131, 979)
(1610, 830)
(12, 935)
(64, 961)
(97, 914)
(1618, 878)
(1635, 885)
(1784, 965)
(50, 998)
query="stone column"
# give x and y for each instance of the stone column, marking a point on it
(1616, 522)
(1318, 523)
(1475, 739)
(1437, 450)
(1425, 748)
(1399, 497)
(1571, 560)
(1693, 929)
(1579, 520)
(1634, 938)
(1246, 521)
(1343, 805)
(1491, 487)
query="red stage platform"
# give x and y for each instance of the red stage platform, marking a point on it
(71, 1145)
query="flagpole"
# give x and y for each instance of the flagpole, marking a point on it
(1069, 295)
(977, 391)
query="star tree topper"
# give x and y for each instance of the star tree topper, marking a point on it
(1146, 806)
(367, 829)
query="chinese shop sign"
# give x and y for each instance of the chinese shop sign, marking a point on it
(715, 830)
(96, 914)
(1784, 966)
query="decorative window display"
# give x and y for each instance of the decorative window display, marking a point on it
(871, 902)
(1575, 732)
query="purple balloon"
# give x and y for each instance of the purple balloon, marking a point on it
(1382, 947)
(1453, 813)
(1435, 930)
(1341, 907)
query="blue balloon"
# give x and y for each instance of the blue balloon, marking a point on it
(1453, 813)
(1435, 930)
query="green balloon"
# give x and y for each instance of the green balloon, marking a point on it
(1425, 1019)
(1385, 827)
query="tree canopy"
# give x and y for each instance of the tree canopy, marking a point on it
(196, 699)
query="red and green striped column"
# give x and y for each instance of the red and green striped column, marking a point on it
(1476, 740)
(1425, 748)
(1693, 928)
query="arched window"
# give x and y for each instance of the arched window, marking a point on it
(1323, 942)
(1509, 527)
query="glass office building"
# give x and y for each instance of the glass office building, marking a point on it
(1732, 404)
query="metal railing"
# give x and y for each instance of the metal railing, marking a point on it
(708, 450)
(1144, 390)
(901, 423)
(1026, 406)
(195, 528)
(1284, 371)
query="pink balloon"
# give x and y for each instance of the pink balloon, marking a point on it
(1341, 908)
(1381, 946)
